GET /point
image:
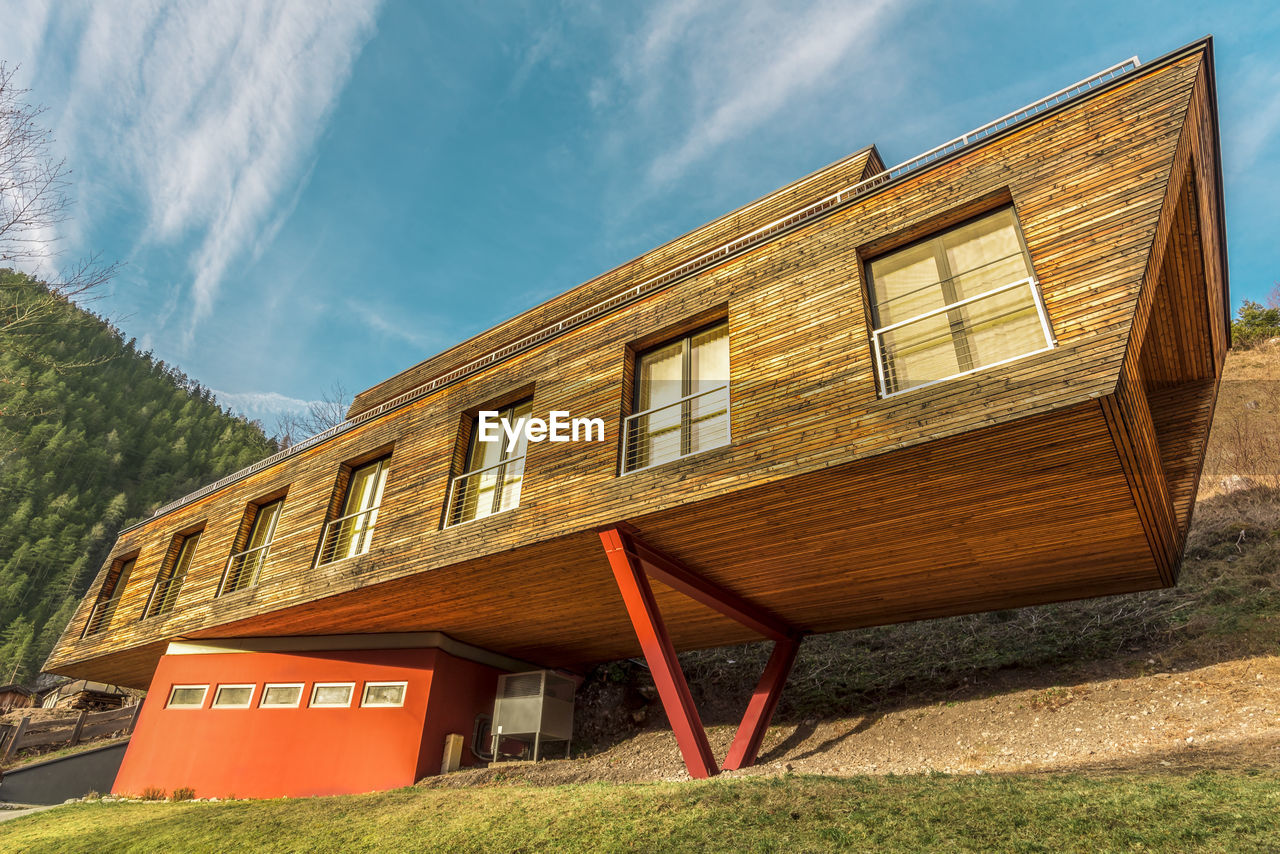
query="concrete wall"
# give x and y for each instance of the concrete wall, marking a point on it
(55, 780)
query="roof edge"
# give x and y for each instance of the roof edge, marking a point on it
(807, 215)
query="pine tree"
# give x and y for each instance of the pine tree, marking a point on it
(84, 452)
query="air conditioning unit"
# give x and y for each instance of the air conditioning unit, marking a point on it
(532, 708)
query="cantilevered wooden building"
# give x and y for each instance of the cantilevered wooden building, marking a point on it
(981, 379)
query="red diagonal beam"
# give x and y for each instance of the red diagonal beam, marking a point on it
(674, 574)
(669, 679)
(746, 744)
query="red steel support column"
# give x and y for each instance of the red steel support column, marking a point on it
(661, 657)
(746, 744)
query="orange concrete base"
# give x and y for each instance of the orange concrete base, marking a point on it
(269, 752)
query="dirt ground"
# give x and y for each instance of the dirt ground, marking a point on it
(1217, 716)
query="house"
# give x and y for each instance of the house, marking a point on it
(14, 697)
(83, 694)
(980, 379)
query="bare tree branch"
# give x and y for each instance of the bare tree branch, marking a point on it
(329, 411)
(33, 201)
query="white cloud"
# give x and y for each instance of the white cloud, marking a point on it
(726, 68)
(210, 111)
(260, 404)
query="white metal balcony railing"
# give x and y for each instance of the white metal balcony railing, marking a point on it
(485, 491)
(694, 423)
(886, 348)
(243, 568)
(100, 616)
(347, 536)
(163, 597)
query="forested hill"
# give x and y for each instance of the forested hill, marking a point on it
(94, 435)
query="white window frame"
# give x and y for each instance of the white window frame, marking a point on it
(351, 695)
(263, 704)
(364, 695)
(173, 689)
(217, 692)
(1030, 282)
(629, 424)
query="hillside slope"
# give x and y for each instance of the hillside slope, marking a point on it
(964, 687)
(94, 434)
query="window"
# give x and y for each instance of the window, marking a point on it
(164, 592)
(186, 696)
(332, 694)
(109, 596)
(233, 697)
(954, 303)
(281, 696)
(494, 471)
(244, 567)
(681, 400)
(350, 534)
(383, 694)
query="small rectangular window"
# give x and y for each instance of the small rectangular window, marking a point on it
(383, 694)
(281, 696)
(245, 566)
(681, 400)
(233, 696)
(494, 471)
(332, 694)
(351, 533)
(109, 596)
(186, 696)
(168, 583)
(954, 303)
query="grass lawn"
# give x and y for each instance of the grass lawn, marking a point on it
(1207, 811)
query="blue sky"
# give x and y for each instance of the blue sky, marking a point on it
(315, 191)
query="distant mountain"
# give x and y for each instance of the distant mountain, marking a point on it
(94, 435)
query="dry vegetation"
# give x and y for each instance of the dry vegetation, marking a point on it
(1244, 446)
(1226, 607)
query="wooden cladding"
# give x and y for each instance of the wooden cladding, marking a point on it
(1109, 223)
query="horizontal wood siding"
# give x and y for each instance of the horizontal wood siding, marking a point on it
(1089, 184)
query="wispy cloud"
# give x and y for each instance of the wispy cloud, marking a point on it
(1255, 112)
(384, 322)
(724, 68)
(211, 111)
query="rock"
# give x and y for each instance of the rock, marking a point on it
(72, 801)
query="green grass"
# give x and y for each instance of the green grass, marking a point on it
(1208, 811)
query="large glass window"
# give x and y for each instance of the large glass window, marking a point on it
(494, 470)
(109, 596)
(959, 301)
(244, 567)
(352, 532)
(164, 593)
(681, 399)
